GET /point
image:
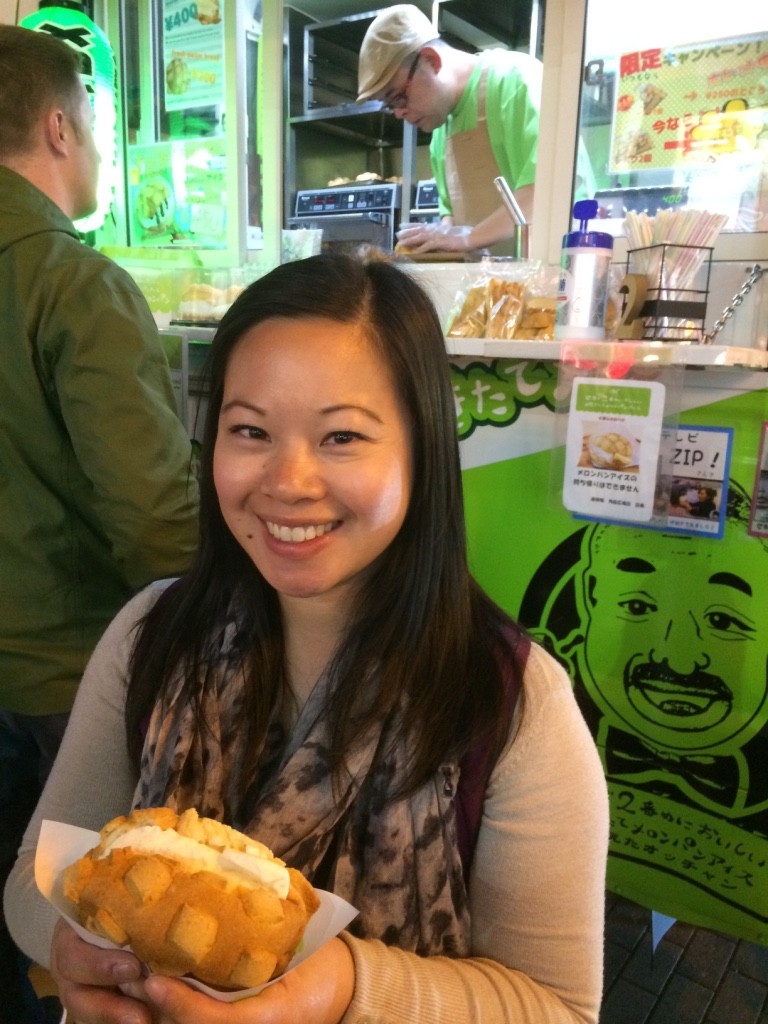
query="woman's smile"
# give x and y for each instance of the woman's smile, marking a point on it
(299, 534)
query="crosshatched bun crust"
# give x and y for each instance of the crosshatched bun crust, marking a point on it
(181, 919)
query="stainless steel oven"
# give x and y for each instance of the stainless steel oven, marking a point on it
(425, 207)
(351, 215)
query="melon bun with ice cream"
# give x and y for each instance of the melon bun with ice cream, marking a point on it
(192, 896)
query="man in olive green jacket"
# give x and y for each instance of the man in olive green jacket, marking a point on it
(96, 496)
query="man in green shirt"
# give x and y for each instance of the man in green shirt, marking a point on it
(483, 112)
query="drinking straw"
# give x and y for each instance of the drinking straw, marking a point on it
(691, 231)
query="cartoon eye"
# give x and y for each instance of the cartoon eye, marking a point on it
(724, 622)
(637, 606)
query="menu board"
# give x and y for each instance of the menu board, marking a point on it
(698, 104)
(193, 53)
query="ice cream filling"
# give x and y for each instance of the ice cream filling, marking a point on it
(249, 866)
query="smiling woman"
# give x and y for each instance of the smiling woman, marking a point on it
(329, 679)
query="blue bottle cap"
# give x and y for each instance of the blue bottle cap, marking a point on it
(584, 211)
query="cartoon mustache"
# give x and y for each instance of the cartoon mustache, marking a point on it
(674, 692)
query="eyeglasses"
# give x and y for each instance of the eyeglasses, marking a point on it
(400, 99)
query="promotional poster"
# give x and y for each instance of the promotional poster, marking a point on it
(659, 620)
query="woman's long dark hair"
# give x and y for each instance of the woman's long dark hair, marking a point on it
(424, 641)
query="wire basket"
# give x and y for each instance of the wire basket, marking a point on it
(675, 308)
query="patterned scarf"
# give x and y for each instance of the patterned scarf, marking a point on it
(396, 861)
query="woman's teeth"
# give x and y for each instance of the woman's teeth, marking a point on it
(298, 534)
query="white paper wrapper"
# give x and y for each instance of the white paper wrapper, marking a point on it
(59, 845)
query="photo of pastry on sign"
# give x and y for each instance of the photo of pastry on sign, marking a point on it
(155, 204)
(61, 846)
(609, 449)
(178, 76)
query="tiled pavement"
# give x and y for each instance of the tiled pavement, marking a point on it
(694, 976)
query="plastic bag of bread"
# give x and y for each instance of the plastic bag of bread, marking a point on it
(472, 317)
(492, 304)
(191, 896)
(505, 306)
(537, 321)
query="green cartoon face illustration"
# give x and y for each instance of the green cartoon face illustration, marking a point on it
(675, 637)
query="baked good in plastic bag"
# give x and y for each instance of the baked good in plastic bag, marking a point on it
(471, 320)
(492, 305)
(505, 307)
(537, 322)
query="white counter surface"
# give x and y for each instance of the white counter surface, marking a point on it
(668, 353)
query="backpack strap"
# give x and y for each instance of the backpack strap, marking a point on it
(477, 763)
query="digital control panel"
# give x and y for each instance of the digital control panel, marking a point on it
(348, 199)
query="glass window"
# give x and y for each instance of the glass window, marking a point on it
(181, 141)
(674, 109)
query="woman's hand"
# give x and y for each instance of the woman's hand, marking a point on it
(318, 991)
(87, 978)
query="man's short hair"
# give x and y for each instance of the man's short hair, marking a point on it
(37, 72)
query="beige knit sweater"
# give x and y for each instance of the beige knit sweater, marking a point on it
(537, 881)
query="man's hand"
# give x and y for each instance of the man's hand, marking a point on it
(419, 238)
